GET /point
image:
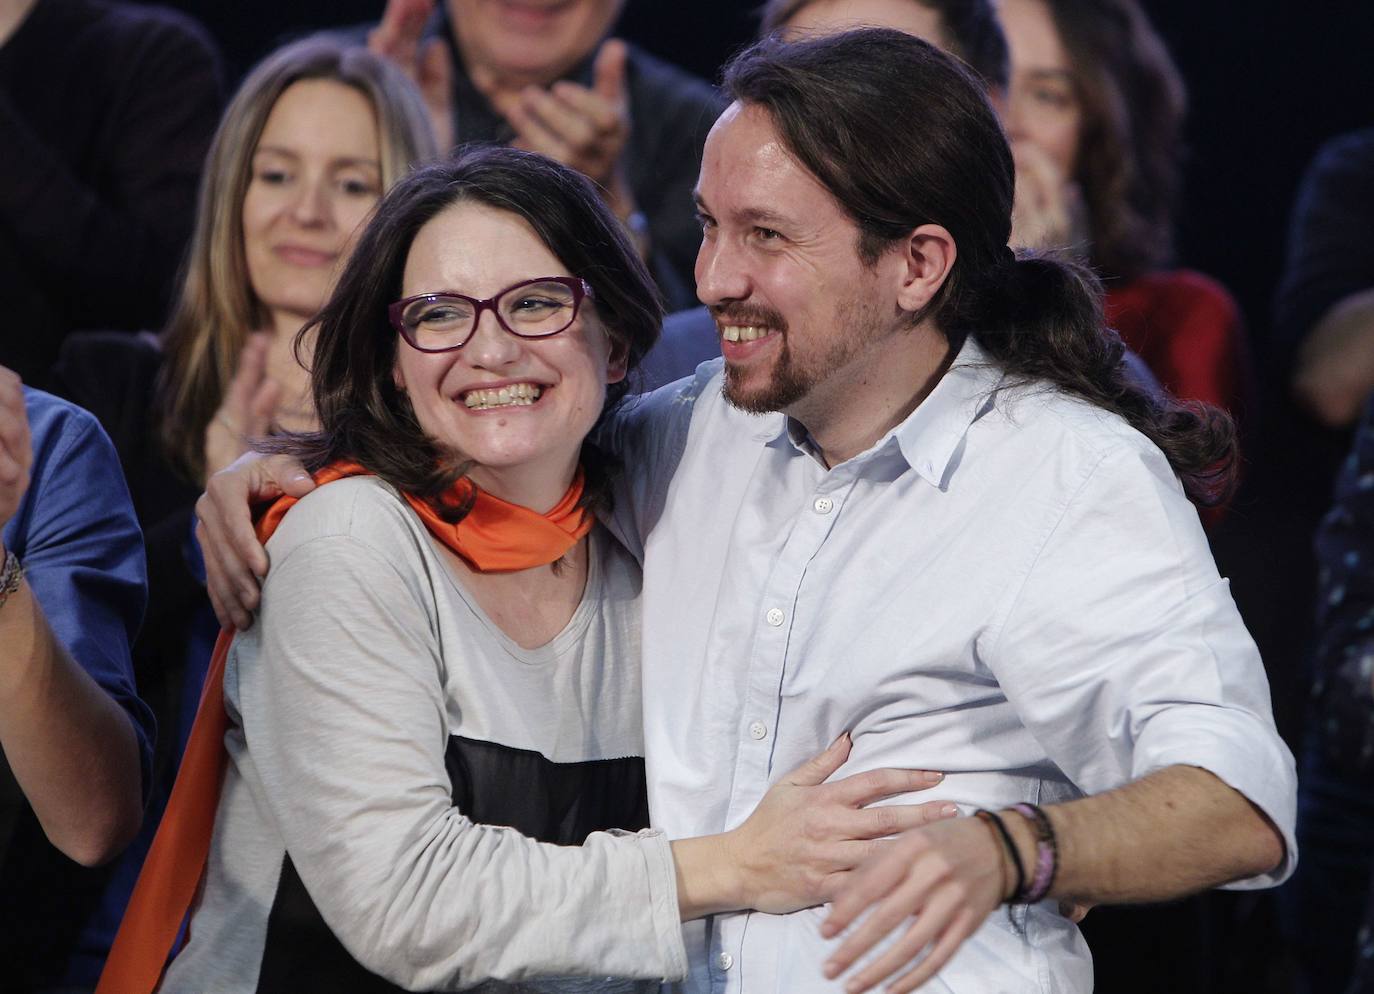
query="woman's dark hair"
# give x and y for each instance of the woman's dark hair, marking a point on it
(363, 415)
(903, 135)
(1130, 142)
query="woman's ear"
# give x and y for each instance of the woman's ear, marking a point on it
(618, 362)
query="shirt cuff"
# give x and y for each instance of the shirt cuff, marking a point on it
(665, 920)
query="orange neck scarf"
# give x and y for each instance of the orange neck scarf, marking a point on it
(495, 536)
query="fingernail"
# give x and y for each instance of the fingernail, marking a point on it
(949, 810)
(838, 739)
(831, 969)
(930, 776)
(296, 477)
(854, 986)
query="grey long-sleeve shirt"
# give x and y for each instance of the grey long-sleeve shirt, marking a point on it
(377, 715)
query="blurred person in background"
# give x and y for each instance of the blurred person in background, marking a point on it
(1094, 113)
(313, 137)
(75, 740)
(966, 28)
(1327, 915)
(1322, 371)
(106, 110)
(546, 78)
(1325, 312)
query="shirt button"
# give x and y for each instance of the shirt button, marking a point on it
(725, 961)
(823, 505)
(775, 616)
(758, 730)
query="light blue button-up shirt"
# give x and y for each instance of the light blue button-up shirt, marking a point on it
(1010, 587)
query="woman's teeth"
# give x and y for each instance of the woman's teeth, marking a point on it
(742, 333)
(515, 395)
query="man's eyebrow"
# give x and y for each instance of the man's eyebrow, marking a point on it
(760, 216)
(746, 215)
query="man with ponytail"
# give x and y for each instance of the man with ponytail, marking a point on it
(919, 503)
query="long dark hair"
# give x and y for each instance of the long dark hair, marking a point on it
(903, 135)
(363, 415)
(1131, 139)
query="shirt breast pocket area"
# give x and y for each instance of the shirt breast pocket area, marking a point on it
(872, 639)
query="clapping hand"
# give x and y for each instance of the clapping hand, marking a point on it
(1048, 212)
(247, 410)
(584, 128)
(399, 37)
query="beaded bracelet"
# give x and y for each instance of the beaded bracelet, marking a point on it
(1000, 829)
(1046, 854)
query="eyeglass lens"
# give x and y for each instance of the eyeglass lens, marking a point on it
(532, 310)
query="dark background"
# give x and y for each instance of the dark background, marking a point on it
(1269, 80)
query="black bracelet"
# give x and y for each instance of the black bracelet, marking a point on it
(1002, 833)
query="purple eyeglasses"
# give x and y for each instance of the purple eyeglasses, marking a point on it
(537, 308)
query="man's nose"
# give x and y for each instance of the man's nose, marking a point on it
(721, 273)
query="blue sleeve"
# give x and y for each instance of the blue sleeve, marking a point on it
(82, 551)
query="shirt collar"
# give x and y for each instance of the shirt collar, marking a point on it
(929, 437)
(931, 434)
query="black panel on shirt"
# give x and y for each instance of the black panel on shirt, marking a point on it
(492, 784)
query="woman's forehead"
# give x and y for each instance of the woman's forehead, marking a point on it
(476, 249)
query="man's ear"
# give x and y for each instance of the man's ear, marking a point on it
(927, 255)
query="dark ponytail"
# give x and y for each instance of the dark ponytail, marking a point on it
(902, 135)
(1040, 318)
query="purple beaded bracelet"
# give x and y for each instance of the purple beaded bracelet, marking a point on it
(1046, 854)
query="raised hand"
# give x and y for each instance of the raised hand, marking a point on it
(583, 128)
(16, 447)
(248, 407)
(399, 37)
(1048, 212)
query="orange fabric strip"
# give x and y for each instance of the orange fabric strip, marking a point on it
(495, 536)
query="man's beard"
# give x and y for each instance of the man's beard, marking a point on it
(790, 380)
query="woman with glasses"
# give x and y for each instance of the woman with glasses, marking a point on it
(433, 728)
